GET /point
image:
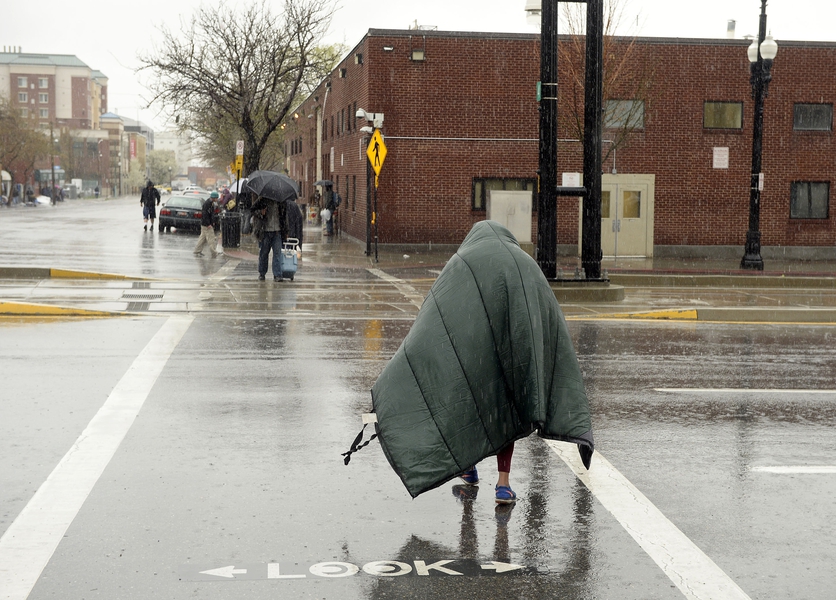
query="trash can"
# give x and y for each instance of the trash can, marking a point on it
(231, 229)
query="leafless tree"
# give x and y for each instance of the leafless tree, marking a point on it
(627, 76)
(21, 144)
(236, 72)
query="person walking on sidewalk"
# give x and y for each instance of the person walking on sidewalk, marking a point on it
(274, 216)
(150, 196)
(207, 228)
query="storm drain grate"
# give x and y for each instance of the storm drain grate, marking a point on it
(126, 296)
(137, 306)
(141, 285)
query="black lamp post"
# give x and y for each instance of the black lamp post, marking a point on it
(547, 168)
(761, 53)
(549, 191)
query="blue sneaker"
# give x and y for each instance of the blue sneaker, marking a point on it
(505, 495)
(470, 477)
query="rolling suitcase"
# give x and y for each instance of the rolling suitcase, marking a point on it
(290, 261)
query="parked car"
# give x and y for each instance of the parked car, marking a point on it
(182, 212)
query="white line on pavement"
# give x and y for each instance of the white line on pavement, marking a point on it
(688, 567)
(804, 470)
(741, 391)
(31, 539)
(403, 287)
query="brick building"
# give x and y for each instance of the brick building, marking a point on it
(461, 118)
(53, 88)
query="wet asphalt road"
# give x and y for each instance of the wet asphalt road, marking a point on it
(229, 482)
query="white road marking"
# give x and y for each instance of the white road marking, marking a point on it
(31, 539)
(225, 271)
(804, 470)
(688, 567)
(403, 287)
(741, 391)
(229, 572)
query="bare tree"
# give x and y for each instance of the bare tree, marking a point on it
(236, 72)
(21, 144)
(627, 77)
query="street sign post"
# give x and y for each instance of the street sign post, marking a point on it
(376, 153)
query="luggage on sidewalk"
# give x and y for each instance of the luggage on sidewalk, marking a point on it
(290, 260)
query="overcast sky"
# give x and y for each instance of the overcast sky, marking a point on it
(107, 34)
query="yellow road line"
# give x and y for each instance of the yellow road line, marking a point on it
(67, 274)
(27, 309)
(671, 315)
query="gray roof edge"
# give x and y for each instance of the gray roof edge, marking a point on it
(643, 39)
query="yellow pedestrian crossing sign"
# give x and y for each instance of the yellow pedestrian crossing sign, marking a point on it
(376, 153)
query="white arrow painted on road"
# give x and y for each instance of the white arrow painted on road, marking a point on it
(229, 572)
(502, 567)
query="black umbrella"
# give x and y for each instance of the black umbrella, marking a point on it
(324, 182)
(272, 185)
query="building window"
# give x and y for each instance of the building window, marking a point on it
(723, 115)
(43, 82)
(482, 185)
(812, 117)
(24, 112)
(809, 200)
(624, 114)
(43, 98)
(43, 113)
(22, 97)
(353, 193)
(22, 82)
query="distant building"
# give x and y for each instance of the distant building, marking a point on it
(179, 144)
(60, 93)
(53, 88)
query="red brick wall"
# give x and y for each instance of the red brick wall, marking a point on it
(480, 88)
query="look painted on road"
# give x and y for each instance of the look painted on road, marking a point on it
(336, 569)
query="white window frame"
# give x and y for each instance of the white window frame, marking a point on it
(43, 98)
(43, 83)
(23, 96)
(22, 82)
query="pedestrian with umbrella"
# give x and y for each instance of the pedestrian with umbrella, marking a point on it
(274, 191)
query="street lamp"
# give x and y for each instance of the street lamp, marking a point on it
(761, 54)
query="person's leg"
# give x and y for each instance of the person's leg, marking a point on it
(263, 253)
(503, 464)
(201, 241)
(504, 493)
(145, 216)
(276, 247)
(210, 239)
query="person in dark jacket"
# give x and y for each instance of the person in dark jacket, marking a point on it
(274, 217)
(295, 222)
(149, 200)
(207, 229)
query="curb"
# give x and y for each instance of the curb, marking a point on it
(819, 316)
(45, 310)
(48, 273)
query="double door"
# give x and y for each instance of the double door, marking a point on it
(627, 215)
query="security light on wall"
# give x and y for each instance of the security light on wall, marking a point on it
(418, 54)
(375, 118)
